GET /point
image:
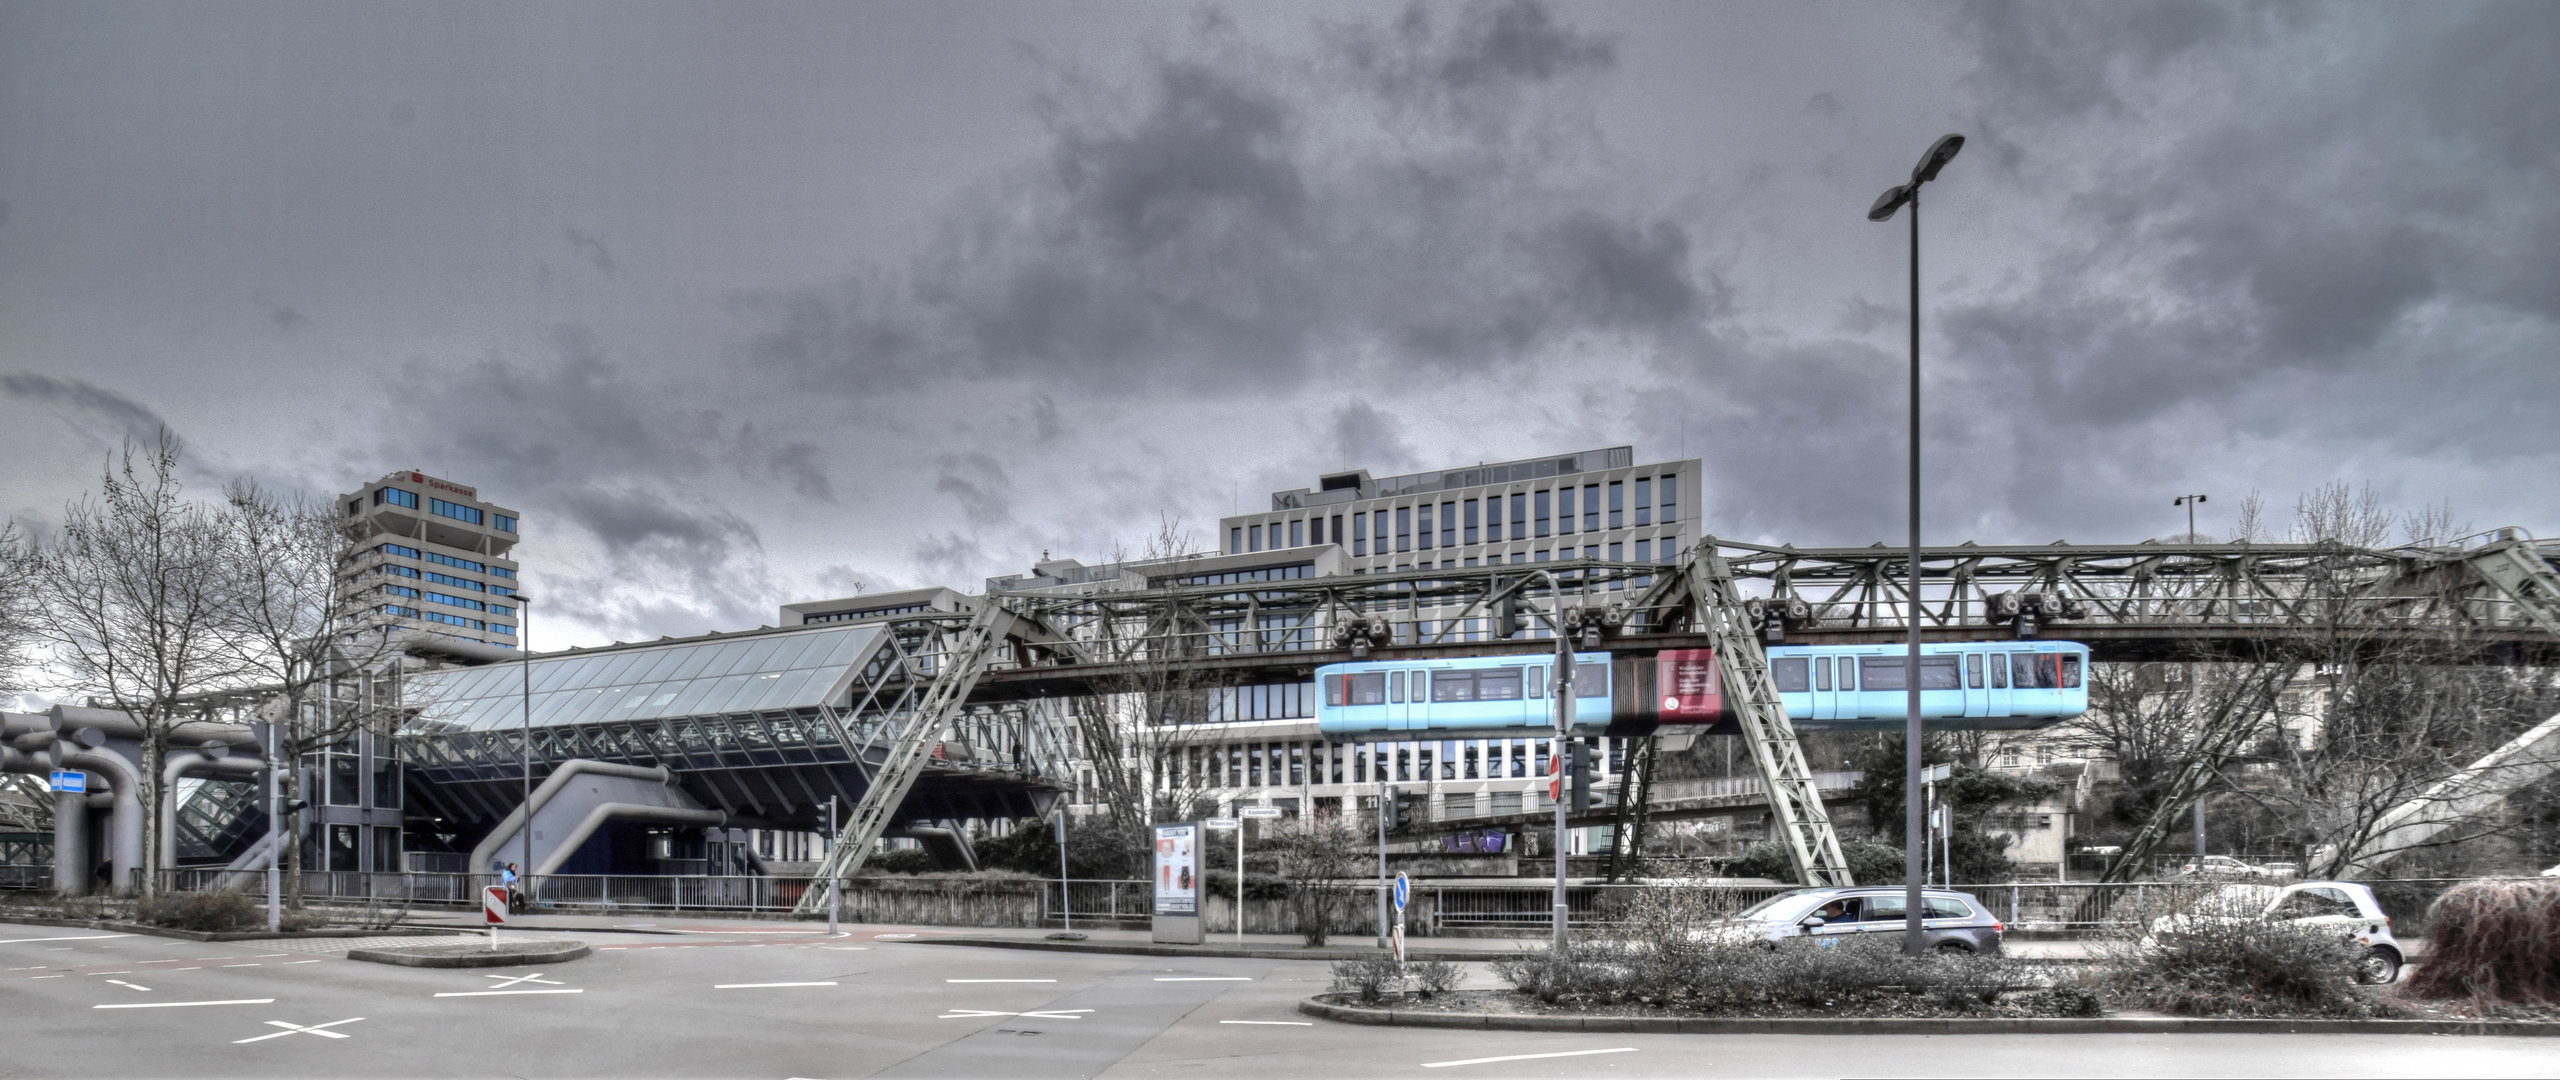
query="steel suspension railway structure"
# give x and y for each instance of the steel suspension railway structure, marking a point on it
(1019, 658)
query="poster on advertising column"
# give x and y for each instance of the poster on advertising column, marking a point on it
(1177, 883)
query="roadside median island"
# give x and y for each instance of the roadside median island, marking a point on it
(474, 954)
(1503, 1010)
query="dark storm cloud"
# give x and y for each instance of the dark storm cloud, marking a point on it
(87, 404)
(2287, 192)
(1235, 216)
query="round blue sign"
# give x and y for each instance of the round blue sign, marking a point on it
(1404, 889)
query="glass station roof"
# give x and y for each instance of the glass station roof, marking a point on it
(651, 682)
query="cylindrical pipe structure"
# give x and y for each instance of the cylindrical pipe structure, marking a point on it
(71, 844)
(124, 847)
(487, 851)
(183, 763)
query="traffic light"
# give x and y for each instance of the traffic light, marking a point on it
(1387, 810)
(1506, 618)
(1581, 752)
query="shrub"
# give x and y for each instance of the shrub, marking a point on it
(215, 910)
(2493, 941)
(1367, 977)
(901, 861)
(2211, 965)
(1435, 977)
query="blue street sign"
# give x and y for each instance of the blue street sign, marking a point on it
(72, 781)
(1404, 889)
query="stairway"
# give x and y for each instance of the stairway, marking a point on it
(1795, 804)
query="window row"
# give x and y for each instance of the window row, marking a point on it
(396, 570)
(395, 497)
(869, 613)
(456, 601)
(401, 550)
(1299, 763)
(504, 522)
(1451, 522)
(1291, 572)
(456, 511)
(459, 583)
(1481, 684)
(2026, 670)
(454, 620)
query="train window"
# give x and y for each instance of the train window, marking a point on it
(1973, 671)
(1498, 684)
(1333, 690)
(1822, 673)
(1369, 688)
(1395, 687)
(1936, 673)
(1848, 673)
(1999, 671)
(1454, 686)
(1421, 687)
(1591, 680)
(1537, 682)
(2047, 671)
(1790, 674)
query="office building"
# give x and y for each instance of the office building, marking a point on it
(434, 559)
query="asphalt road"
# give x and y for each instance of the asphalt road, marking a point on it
(767, 1002)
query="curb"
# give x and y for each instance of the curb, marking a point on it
(1222, 952)
(2118, 1025)
(558, 953)
(200, 935)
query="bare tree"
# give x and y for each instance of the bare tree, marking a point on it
(18, 565)
(130, 599)
(294, 626)
(1137, 738)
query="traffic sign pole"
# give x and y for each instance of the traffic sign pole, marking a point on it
(1404, 892)
(493, 910)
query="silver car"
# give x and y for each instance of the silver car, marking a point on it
(2346, 907)
(1955, 922)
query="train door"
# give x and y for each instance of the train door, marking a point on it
(1977, 684)
(1399, 718)
(1826, 700)
(1996, 685)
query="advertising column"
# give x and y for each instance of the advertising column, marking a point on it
(1177, 884)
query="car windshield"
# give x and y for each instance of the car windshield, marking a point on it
(2237, 900)
(1784, 907)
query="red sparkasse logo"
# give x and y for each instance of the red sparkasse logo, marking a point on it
(417, 478)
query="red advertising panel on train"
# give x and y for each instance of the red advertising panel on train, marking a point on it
(1691, 692)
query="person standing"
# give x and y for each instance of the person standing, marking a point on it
(507, 878)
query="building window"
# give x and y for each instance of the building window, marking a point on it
(395, 497)
(500, 571)
(395, 549)
(396, 570)
(343, 853)
(1235, 540)
(459, 564)
(1564, 511)
(1493, 517)
(1297, 533)
(1542, 556)
(454, 620)
(455, 601)
(1360, 533)
(1253, 538)
(1644, 500)
(1670, 499)
(1425, 512)
(386, 850)
(1471, 523)
(501, 609)
(456, 511)
(1337, 530)
(354, 507)
(502, 628)
(448, 579)
(1618, 553)
(505, 523)
(1617, 504)
(1591, 508)
(1519, 517)
(1545, 508)
(1448, 524)
(1404, 528)
(395, 609)
(398, 590)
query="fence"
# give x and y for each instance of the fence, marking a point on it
(1034, 902)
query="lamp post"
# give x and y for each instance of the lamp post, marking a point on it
(524, 831)
(1913, 855)
(2189, 501)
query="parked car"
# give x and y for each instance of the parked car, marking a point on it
(2345, 905)
(2224, 866)
(1955, 922)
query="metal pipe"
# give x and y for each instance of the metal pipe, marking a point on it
(519, 818)
(124, 850)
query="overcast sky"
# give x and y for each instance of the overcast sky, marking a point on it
(749, 303)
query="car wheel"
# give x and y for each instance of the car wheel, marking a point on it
(2380, 967)
(1954, 948)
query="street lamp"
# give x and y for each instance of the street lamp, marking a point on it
(2189, 501)
(524, 830)
(1940, 153)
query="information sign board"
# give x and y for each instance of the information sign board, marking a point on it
(1219, 824)
(1262, 811)
(70, 781)
(1178, 869)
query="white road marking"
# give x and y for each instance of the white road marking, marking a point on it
(121, 982)
(1274, 1023)
(760, 986)
(297, 1029)
(1202, 978)
(1044, 1014)
(239, 965)
(110, 973)
(69, 937)
(184, 1004)
(44, 976)
(505, 981)
(1528, 1057)
(273, 955)
(197, 968)
(504, 993)
(893, 937)
(999, 980)
(290, 963)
